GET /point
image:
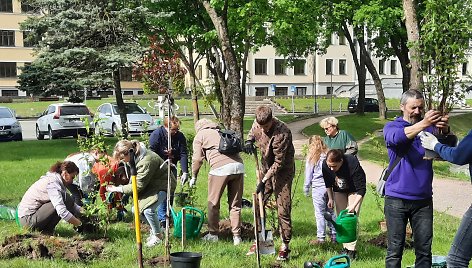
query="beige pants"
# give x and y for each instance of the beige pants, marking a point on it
(216, 187)
(342, 200)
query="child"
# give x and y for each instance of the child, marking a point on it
(314, 179)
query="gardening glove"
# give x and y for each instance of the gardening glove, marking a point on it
(261, 186)
(249, 147)
(306, 191)
(428, 140)
(112, 188)
(192, 182)
(183, 178)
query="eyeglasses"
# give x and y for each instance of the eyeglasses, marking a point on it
(328, 127)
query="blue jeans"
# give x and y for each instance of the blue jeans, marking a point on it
(150, 213)
(461, 249)
(420, 214)
(162, 209)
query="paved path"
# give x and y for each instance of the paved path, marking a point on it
(450, 196)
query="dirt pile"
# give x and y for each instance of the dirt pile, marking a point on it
(36, 246)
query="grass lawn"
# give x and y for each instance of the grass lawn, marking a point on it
(26, 161)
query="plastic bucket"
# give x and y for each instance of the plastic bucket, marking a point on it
(185, 259)
(346, 227)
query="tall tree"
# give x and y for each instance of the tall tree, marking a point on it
(413, 32)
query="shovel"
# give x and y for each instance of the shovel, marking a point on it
(266, 242)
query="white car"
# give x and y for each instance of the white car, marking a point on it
(108, 119)
(64, 119)
(10, 128)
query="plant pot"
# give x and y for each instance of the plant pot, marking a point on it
(185, 259)
(449, 140)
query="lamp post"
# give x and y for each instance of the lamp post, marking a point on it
(314, 82)
(331, 93)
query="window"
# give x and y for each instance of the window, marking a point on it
(280, 67)
(329, 90)
(262, 91)
(261, 66)
(6, 6)
(393, 67)
(329, 66)
(7, 69)
(199, 72)
(464, 68)
(126, 74)
(281, 91)
(11, 93)
(342, 66)
(381, 66)
(300, 91)
(25, 8)
(299, 67)
(128, 92)
(7, 38)
(342, 38)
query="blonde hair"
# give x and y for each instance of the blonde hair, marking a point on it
(316, 147)
(329, 121)
(122, 148)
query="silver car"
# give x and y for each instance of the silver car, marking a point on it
(109, 122)
(10, 128)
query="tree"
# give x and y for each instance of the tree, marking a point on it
(87, 41)
(413, 33)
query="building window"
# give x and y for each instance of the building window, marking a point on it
(281, 91)
(381, 66)
(10, 93)
(329, 90)
(6, 6)
(299, 67)
(199, 72)
(262, 91)
(464, 68)
(280, 67)
(329, 66)
(342, 38)
(25, 8)
(7, 69)
(261, 66)
(7, 38)
(128, 92)
(300, 91)
(342, 66)
(393, 67)
(126, 74)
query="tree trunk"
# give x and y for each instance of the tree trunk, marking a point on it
(401, 50)
(413, 33)
(120, 103)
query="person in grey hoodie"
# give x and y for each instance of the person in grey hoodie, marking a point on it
(46, 202)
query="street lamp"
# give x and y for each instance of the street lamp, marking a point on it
(331, 93)
(314, 82)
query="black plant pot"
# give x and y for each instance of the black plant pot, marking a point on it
(449, 140)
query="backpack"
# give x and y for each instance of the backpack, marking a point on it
(230, 143)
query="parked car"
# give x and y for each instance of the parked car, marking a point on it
(10, 128)
(109, 121)
(64, 119)
(370, 105)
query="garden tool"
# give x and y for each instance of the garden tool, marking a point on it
(345, 225)
(339, 261)
(266, 245)
(193, 222)
(137, 222)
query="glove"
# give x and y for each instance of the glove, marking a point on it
(183, 178)
(428, 140)
(306, 191)
(192, 182)
(112, 188)
(249, 147)
(261, 186)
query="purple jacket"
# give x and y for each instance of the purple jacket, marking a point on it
(412, 178)
(461, 155)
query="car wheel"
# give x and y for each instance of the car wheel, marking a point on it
(51, 133)
(39, 136)
(114, 130)
(75, 135)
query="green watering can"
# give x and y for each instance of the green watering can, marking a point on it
(193, 223)
(346, 226)
(340, 261)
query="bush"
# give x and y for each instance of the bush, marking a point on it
(6, 99)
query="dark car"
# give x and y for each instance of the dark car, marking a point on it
(370, 105)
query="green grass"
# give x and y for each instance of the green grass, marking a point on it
(26, 161)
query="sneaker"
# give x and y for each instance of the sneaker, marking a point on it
(252, 249)
(237, 240)
(210, 237)
(152, 240)
(283, 254)
(316, 242)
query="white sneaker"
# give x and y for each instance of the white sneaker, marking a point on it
(210, 237)
(152, 240)
(237, 240)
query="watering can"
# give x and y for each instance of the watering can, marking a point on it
(346, 226)
(340, 261)
(193, 223)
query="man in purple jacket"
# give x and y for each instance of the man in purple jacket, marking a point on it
(408, 190)
(461, 249)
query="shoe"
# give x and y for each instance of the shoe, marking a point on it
(315, 242)
(284, 254)
(252, 249)
(333, 239)
(162, 224)
(210, 237)
(152, 240)
(237, 240)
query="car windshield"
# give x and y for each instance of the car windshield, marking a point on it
(74, 110)
(5, 113)
(130, 108)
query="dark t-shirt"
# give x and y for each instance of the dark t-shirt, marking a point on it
(350, 177)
